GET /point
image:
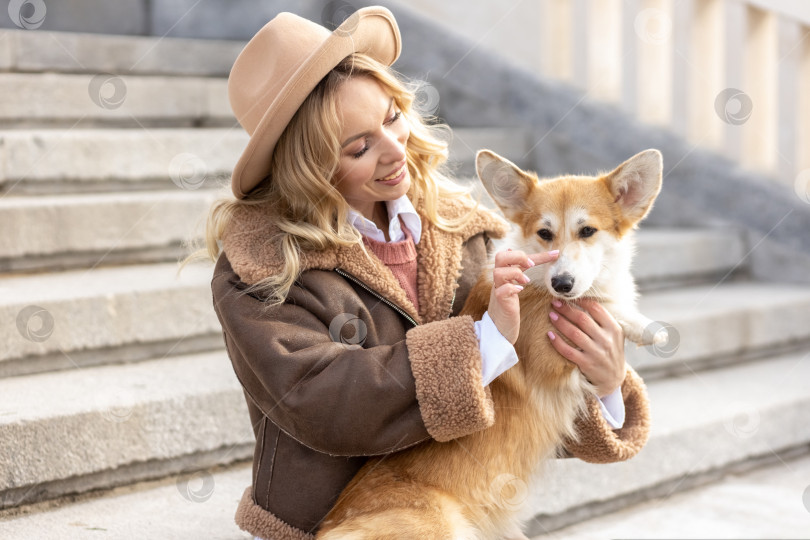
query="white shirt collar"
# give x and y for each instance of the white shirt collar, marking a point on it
(397, 208)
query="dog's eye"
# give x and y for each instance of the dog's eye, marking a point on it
(545, 234)
(585, 232)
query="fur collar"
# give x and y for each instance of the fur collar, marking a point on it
(253, 249)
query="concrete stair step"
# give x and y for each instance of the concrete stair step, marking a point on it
(75, 52)
(713, 325)
(703, 427)
(202, 504)
(82, 318)
(105, 159)
(85, 100)
(85, 230)
(37, 161)
(741, 504)
(97, 427)
(192, 505)
(702, 424)
(668, 257)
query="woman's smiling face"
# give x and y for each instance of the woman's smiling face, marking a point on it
(372, 166)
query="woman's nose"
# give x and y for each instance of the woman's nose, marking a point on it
(394, 146)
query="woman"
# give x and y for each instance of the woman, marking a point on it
(346, 255)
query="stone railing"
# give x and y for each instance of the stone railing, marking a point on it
(730, 75)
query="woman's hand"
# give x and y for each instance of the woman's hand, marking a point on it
(508, 280)
(598, 342)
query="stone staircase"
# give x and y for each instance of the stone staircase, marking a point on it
(118, 404)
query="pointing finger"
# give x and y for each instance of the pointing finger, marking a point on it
(509, 258)
(542, 258)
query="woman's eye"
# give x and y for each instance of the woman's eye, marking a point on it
(358, 155)
(586, 232)
(545, 234)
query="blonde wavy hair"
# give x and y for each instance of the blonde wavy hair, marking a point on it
(309, 211)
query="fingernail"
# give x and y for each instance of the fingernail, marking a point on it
(553, 316)
(556, 303)
(554, 252)
(552, 336)
(519, 287)
(531, 263)
(527, 278)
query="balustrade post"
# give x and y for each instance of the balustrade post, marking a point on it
(760, 135)
(708, 74)
(653, 26)
(803, 116)
(557, 40)
(604, 35)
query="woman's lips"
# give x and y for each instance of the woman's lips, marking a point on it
(396, 177)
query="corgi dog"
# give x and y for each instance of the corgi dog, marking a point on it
(471, 488)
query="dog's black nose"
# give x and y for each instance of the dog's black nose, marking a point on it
(562, 283)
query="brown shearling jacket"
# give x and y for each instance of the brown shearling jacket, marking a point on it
(347, 368)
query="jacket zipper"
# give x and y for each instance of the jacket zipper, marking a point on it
(378, 295)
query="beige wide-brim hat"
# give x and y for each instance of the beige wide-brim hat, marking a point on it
(282, 64)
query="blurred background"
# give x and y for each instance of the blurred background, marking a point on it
(119, 411)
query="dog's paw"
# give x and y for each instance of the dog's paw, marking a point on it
(655, 336)
(660, 337)
(633, 332)
(652, 334)
(645, 334)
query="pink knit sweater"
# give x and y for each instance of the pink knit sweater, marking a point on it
(400, 257)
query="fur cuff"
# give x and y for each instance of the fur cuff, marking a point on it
(262, 523)
(598, 442)
(446, 363)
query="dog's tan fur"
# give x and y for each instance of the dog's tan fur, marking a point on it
(470, 488)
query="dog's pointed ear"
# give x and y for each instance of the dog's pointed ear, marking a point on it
(635, 183)
(506, 183)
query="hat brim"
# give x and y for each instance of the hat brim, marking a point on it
(371, 30)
